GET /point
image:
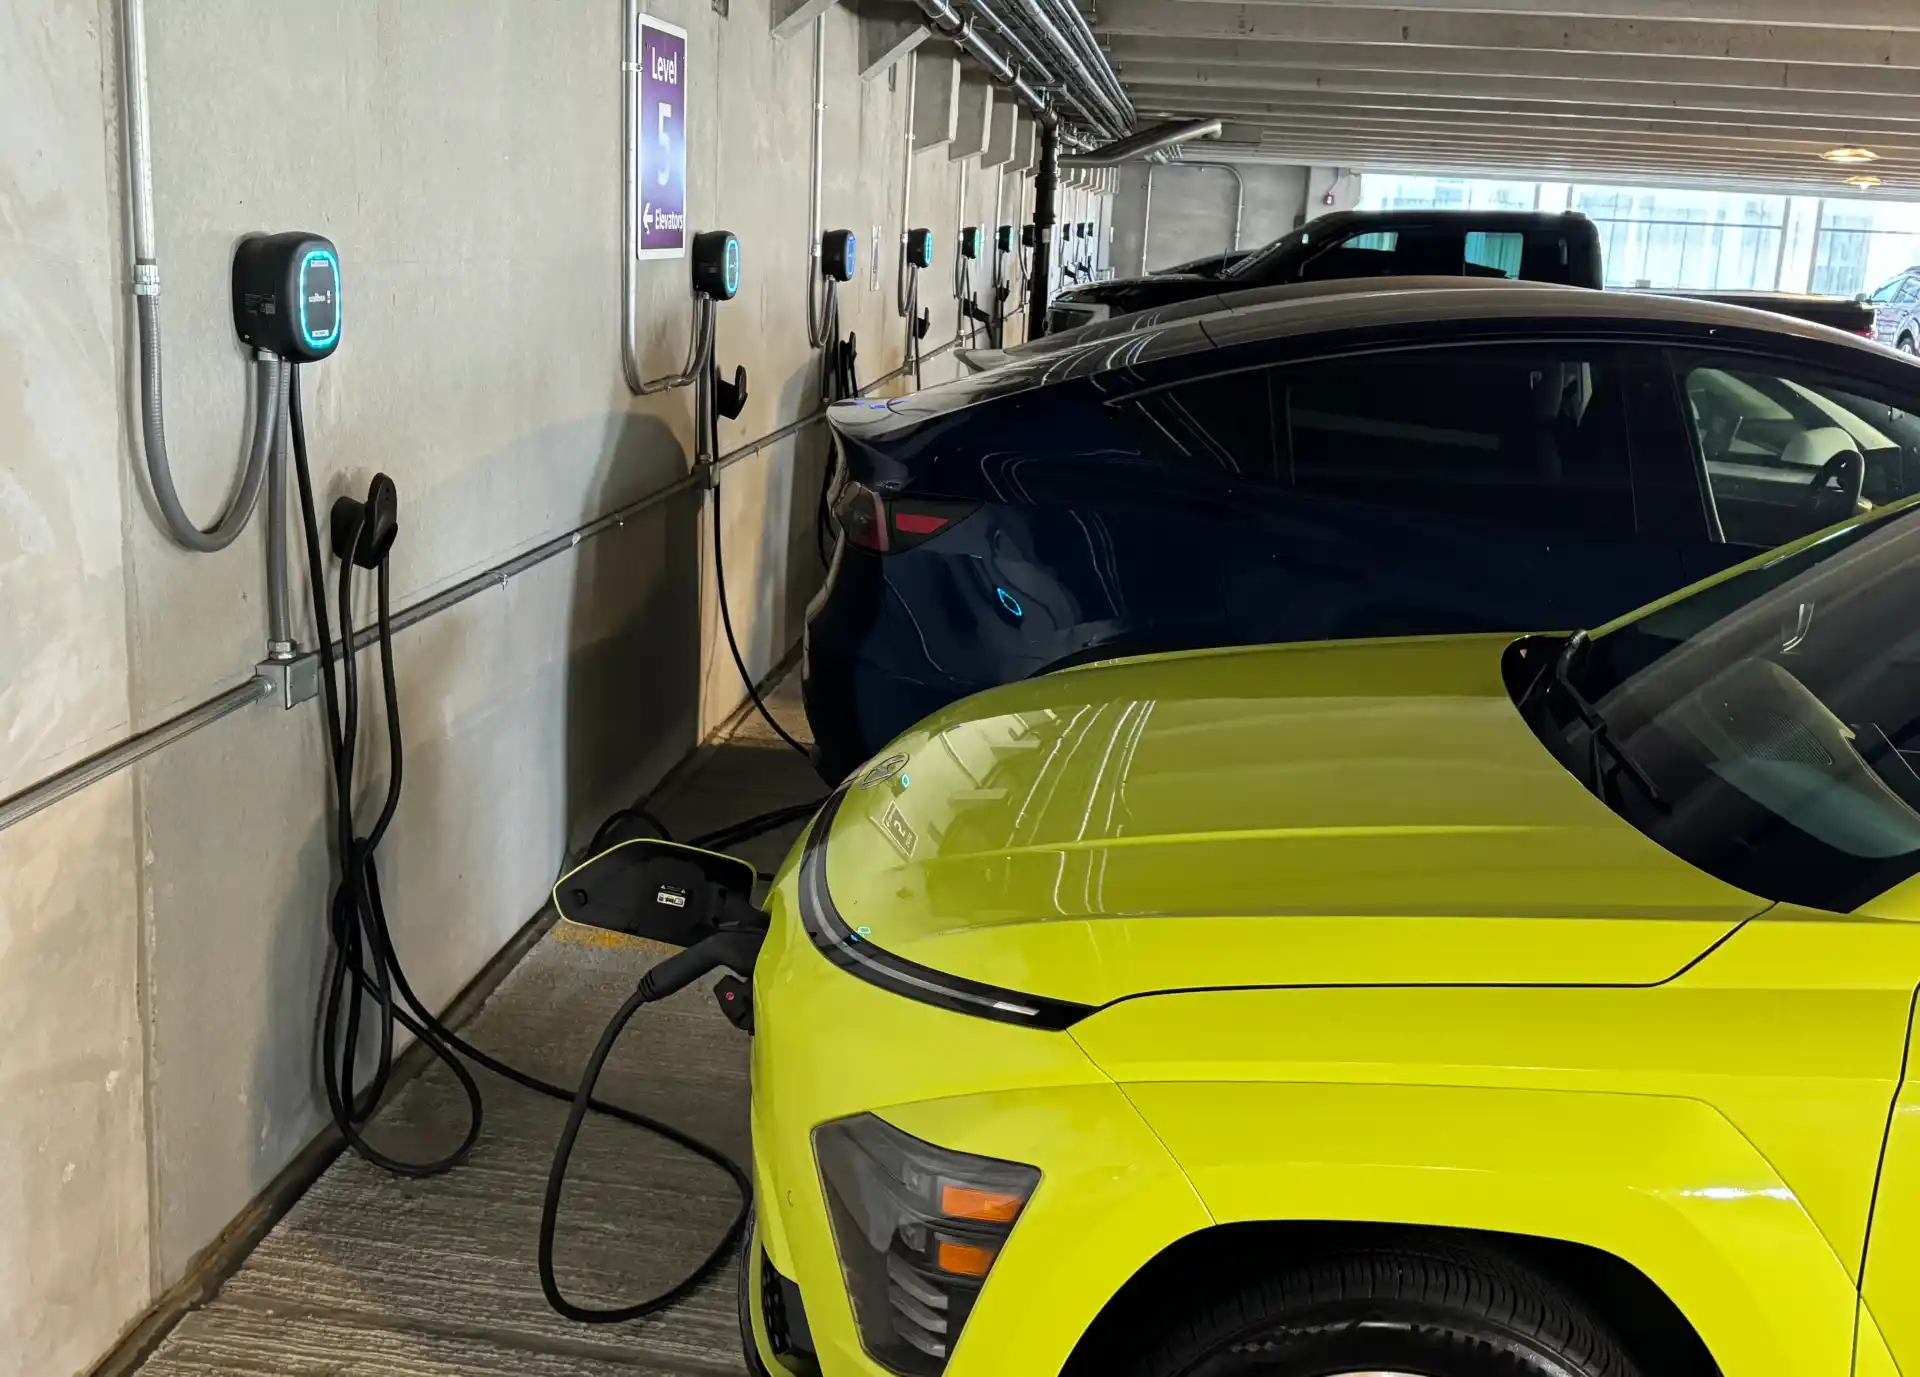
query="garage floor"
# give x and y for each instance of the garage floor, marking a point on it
(368, 1275)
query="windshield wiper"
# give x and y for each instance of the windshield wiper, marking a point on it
(1599, 734)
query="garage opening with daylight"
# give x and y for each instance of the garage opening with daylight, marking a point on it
(950, 688)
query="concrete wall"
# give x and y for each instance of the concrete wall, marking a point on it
(162, 936)
(1192, 210)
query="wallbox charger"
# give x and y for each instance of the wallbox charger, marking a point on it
(970, 241)
(920, 248)
(838, 250)
(1003, 239)
(716, 264)
(286, 295)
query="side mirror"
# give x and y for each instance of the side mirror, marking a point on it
(661, 890)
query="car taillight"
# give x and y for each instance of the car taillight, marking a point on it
(888, 525)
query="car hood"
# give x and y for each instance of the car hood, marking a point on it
(1361, 813)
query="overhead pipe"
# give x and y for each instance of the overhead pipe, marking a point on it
(950, 23)
(1086, 48)
(1022, 49)
(1025, 60)
(1110, 116)
(1145, 143)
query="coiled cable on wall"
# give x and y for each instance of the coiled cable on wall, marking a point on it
(367, 979)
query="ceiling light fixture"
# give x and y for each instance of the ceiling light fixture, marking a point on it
(1863, 183)
(1851, 155)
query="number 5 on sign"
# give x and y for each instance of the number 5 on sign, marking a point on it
(660, 140)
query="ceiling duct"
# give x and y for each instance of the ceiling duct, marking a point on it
(1138, 147)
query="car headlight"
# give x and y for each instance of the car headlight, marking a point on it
(917, 1229)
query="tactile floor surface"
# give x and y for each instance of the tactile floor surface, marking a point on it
(369, 1276)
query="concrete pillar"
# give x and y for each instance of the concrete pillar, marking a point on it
(1026, 144)
(975, 118)
(885, 39)
(1553, 197)
(792, 17)
(936, 99)
(1003, 116)
(1800, 246)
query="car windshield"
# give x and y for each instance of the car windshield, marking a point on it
(1766, 726)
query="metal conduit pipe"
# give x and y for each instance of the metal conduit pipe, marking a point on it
(146, 295)
(900, 303)
(817, 290)
(102, 764)
(1239, 201)
(1146, 142)
(1086, 48)
(1029, 60)
(1112, 117)
(952, 24)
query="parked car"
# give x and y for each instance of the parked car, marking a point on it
(1562, 249)
(1457, 1006)
(1348, 463)
(1896, 308)
(1836, 312)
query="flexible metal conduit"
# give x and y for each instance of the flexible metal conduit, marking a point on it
(63, 784)
(146, 291)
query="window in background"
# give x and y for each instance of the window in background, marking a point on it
(1653, 237)
(1392, 191)
(1862, 246)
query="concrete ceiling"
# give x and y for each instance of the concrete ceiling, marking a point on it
(1717, 91)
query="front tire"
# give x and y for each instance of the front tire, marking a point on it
(1907, 345)
(1390, 1312)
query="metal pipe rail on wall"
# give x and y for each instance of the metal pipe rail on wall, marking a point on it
(63, 784)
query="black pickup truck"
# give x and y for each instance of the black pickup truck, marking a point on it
(1563, 249)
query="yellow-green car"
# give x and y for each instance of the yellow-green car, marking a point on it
(1461, 1007)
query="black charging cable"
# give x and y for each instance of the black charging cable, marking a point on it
(733, 644)
(366, 966)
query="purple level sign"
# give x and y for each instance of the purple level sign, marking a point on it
(661, 146)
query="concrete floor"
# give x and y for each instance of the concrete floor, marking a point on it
(369, 1276)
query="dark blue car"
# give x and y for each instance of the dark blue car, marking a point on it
(1364, 461)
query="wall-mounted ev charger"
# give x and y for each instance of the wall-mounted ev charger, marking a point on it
(839, 250)
(970, 240)
(1029, 237)
(716, 264)
(1003, 239)
(920, 248)
(286, 295)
